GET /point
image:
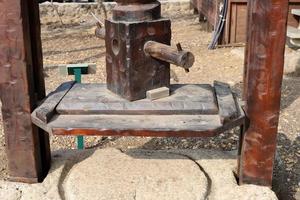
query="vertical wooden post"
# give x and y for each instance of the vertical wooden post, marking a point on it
(265, 59)
(248, 28)
(38, 77)
(21, 87)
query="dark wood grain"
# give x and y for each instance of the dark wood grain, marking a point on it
(139, 125)
(96, 99)
(89, 109)
(21, 87)
(130, 72)
(36, 49)
(39, 83)
(134, 123)
(265, 60)
(48, 108)
(133, 11)
(226, 101)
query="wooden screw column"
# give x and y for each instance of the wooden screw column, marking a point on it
(265, 58)
(21, 87)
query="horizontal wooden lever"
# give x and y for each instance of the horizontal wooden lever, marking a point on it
(179, 57)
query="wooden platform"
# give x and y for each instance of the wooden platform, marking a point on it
(194, 110)
(96, 99)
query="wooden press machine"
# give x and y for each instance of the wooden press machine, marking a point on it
(138, 99)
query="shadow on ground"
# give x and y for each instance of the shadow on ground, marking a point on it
(287, 170)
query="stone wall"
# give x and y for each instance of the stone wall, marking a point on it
(74, 13)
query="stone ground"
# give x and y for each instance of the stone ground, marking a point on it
(74, 42)
(139, 175)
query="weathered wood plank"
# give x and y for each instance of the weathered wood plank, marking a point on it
(226, 101)
(133, 125)
(136, 125)
(96, 99)
(47, 109)
(39, 123)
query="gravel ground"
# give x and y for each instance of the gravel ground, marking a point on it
(77, 44)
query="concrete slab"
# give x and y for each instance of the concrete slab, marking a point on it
(293, 32)
(291, 61)
(138, 174)
(295, 12)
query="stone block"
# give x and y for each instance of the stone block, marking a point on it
(158, 93)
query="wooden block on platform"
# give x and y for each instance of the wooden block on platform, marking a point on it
(158, 93)
(97, 99)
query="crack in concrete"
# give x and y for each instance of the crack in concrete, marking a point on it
(67, 168)
(209, 181)
(76, 158)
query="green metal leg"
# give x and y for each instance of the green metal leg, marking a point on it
(80, 142)
(80, 139)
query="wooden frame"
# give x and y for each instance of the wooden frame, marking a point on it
(234, 31)
(235, 28)
(22, 87)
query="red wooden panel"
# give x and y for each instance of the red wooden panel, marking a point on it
(235, 28)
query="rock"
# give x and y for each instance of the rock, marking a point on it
(50, 189)
(292, 62)
(139, 174)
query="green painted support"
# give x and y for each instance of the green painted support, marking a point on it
(80, 139)
(78, 70)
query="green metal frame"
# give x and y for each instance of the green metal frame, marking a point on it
(77, 73)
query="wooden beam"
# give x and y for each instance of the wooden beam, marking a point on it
(21, 87)
(47, 110)
(87, 99)
(39, 82)
(265, 59)
(228, 109)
